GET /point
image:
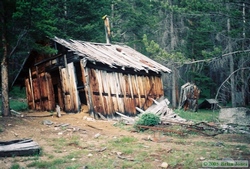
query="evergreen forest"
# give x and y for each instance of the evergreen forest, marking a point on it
(205, 42)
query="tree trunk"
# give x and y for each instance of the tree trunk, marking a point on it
(5, 81)
(242, 58)
(4, 69)
(231, 64)
(173, 87)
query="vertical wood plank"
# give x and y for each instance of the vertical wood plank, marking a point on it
(39, 87)
(73, 87)
(31, 87)
(138, 91)
(65, 89)
(60, 96)
(113, 90)
(99, 78)
(29, 94)
(85, 79)
(51, 95)
(119, 93)
(88, 87)
(106, 88)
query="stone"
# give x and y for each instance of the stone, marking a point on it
(47, 122)
(236, 115)
(97, 135)
(90, 155)
(164, 165)
(202, 158)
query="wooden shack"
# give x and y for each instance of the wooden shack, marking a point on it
(106, 77)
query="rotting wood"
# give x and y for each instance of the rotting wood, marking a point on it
(39, 83)
(128, 120)
(99, 78)
(85, 79)
(16, 113)
(119, 93)
(140, 110)
(162, 110)
(189, 97)
(101, 116)
(75, 102)
(32, 90)
(47, 59)
(93, 127)
(138, 91)
(148, 93)
(28, 94)
(65, 89)
(25, 147)
(48, 92)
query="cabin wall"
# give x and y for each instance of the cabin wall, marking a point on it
(110, 92)
(40, 92)
(69, 88)
(70, 82)
(39, 84)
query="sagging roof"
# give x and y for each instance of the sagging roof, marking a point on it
(112, 55)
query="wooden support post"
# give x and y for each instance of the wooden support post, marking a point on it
(39, 88)
(85, 76)
(32, 90)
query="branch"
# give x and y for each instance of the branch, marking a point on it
(21, 35)
(228, 79)
(236, 52)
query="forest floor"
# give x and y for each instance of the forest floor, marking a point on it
(78, 141)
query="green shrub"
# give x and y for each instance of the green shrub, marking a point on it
(17, 92)
(148, 119)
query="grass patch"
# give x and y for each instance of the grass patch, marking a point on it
(16, 166)
(1, 129)
(18, 105)
(201, 115)
(47, 164)
(17, 99)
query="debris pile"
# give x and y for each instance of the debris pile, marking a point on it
(166, 114)
(159, 108)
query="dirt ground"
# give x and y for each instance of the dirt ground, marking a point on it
(87, 129)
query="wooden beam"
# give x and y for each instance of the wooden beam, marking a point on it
(32, 90)
(48, 59)
(85, 76)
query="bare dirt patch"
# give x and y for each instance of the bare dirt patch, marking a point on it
(78, 141)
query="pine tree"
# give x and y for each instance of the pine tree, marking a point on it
(23, 24)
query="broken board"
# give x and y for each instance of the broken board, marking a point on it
(24, 147)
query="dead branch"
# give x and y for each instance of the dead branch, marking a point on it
(226, 81)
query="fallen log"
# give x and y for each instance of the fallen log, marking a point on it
(24, 147)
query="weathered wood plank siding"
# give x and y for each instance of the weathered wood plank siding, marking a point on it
(113, 91)
(106, 77)
(29, 94)
(69, 88)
